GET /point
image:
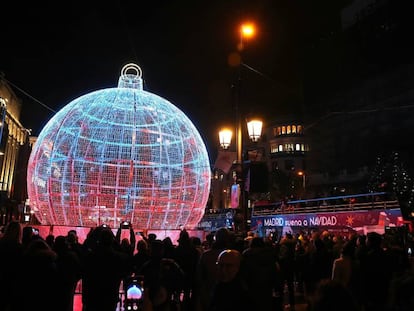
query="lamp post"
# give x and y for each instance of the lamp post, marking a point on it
(302, 173)
(254, 127)
(238, 193)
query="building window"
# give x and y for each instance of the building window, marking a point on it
(298, 147)
(293, 129)
(288, 130)
(300, 129)
(289, 147)
(283, 130)
(273, 148)
(280, 148)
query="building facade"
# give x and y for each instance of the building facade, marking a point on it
(14, 153)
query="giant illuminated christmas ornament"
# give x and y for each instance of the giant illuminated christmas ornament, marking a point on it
(119, 154)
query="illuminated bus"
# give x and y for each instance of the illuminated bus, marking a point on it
(360, 213)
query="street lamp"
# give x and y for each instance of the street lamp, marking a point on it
(254, 127)
(302, 173)
(247, 31)
(225, 136)
(238, 193)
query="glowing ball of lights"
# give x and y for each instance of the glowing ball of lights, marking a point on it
(119, 154)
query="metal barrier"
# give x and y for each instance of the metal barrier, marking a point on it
(291, 209)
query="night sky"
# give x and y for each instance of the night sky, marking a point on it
(58, 52)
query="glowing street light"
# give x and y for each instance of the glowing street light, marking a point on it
(247, 31)
(225, 136)
(254, 127)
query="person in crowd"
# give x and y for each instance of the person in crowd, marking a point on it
(319, 264)
(230, 292)
(346, 270)
(27, 235)
(260, 270)
(163, 280)
(104, 266)
(151, 237)
(343, 266)
(196, 243)
(169, 248)
(127, 243)
(141, 256)
(302, 242)
(207, 273)
(376, 273)
(401, 296)
(73, 243)
(11, 253)
(361, 247)
(69, 270)
(209, 240)
(187, 256)
(50, 240)
(35, 287)
(332, 295)
(287, 252)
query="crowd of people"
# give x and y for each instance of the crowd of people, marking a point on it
(224, 271)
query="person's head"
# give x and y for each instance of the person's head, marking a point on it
(152, 236)
(374, 240)
(361, 240)
(195, 241)
(125, 243)
(157, 249)
(257, 242)
(106, 238)
(222, 237)
(142, 246)
(184, 238)
(348, 250)
(27, 234)
(72, 237)
(60, 244)
(168, 242)
(50, 239)
(228, 264)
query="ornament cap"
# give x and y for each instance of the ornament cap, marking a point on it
(130, 80)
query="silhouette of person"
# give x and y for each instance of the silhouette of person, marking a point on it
(103, 269)
(377, 273)
(287, 252)
(163, 280)
(187, 256)
(69, 270)
(332, 295)
(141, 256)
(207, 273)
(11, 251)
(260, 271)
(35, 288)
(231, 291)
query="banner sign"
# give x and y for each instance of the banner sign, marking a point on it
(352, 219)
